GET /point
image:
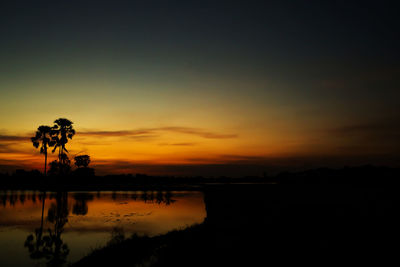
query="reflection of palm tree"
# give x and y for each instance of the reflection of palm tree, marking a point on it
(42, 138)
(61, 132)
(43, 200)
(58, 215)
(35, 243)
(51, 246)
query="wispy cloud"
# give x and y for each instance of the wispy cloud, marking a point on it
(115, 133)
(365, 128)
(198, 132)
(177, 144)
(8, 148)
(13, 138)
(378, 131)
(138, 134)
(152, 132)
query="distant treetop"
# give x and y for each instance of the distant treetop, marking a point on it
(82, 161)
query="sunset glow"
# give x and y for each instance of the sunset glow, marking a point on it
(144, 94)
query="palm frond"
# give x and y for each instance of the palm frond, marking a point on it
(35, 144)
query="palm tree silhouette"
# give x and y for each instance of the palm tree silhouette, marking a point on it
(43, 138)
(61, 132)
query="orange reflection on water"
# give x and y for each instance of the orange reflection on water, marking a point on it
(148, 213)
(81, 221)
(143, 215)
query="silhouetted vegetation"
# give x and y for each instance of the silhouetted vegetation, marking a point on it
(82, 161)
(61, 132)
(43, 139)
(57, 137)
(60, 168)
(80, 179)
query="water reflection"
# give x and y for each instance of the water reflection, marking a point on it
(57, 228)
(51, 246)
(80, 207)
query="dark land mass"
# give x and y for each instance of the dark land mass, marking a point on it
(81, 180)
(258, 225)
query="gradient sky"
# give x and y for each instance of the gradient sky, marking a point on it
(202, 87)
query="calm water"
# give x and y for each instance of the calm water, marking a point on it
(74, 223)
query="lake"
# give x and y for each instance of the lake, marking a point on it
(39, 228)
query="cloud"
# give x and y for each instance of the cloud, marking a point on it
(8, 148)
(13, 138)
(198, 132)
(367, 138)
(229, 159)
(384, 131)
(151, 132)
(377, 127)
(177, 144)
(114, 133)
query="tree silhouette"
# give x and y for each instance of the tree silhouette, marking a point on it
(43, 139)
(82, 161)
(61, 132)
(60, 167)
(54, 167)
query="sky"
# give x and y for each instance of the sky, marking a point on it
(202, 87)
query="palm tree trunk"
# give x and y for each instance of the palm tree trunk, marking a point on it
(45, 162)
(62, 152)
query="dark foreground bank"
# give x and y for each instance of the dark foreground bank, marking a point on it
(257, 225)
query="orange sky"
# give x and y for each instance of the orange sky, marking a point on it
(138, 150)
